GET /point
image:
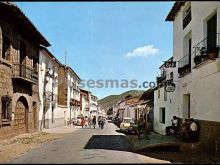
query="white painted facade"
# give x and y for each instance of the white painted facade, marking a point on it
(93, 106)
(54, 116)
(202, 84)
(86, 104)
(163, 100)
(73, 92)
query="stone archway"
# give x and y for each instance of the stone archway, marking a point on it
(21, 116)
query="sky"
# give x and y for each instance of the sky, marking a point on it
(106, 40)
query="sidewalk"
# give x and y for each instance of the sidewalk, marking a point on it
(62, 130)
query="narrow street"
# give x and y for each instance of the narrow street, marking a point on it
(87, 146)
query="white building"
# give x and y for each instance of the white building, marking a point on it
(93, 105)
(73, 95)
(196, 28)
(48, 91)
(163, 100)
(85, 97)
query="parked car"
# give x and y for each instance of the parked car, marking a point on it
(128, 125)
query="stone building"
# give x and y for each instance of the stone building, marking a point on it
(69, 93)
(19, 58)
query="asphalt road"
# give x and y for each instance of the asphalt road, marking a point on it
(86, 146)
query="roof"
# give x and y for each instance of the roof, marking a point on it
(70, 69)
(175, 9)
(50, 55)
(85, 91)
(14, 11)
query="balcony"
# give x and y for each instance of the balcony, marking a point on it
(24, 72)
(50, 98)
(161, 78)
(207, 49)
(184, 65)
(75, 102)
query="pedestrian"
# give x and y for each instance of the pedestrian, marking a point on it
(89, 122)
(102, 122)
(94, 121)
(86, 121)
(82, 121)
(141, 124)
(99, 121)
(171, 130)
(193, 131)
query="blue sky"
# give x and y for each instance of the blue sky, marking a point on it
(106, 40)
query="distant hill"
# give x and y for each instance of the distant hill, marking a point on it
(112, 100)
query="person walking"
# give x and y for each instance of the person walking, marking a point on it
(89, 122)
(82, 122)
(102, 122)
(141, 123)
(94, 121)
(86, 122)
(99, 121)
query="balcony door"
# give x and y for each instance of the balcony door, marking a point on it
(211, 32)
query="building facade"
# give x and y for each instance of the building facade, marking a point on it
(93, 105)
(196, 27)
(69, 93)
(19, 63)
(85, 102)
(50, 113)
(163, 100)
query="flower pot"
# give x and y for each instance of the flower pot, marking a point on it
(213, 55)
(197, 60)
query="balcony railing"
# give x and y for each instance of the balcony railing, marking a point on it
(161, 78)
(184, 65)
(207, 49)
(24, 72)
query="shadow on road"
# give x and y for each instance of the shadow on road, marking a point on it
(108, 142)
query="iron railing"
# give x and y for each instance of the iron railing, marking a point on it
(23, 71)
(184, 61)
(203, 47)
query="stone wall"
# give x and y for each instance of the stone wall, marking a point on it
(62, 89)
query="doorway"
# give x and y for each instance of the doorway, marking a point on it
(186, 106)
(211, 32)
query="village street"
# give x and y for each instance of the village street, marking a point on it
(87, 146)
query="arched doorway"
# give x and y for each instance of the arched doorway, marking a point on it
(21, 116)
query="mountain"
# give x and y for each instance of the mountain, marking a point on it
(112, 100)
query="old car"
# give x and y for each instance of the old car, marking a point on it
(128, 125)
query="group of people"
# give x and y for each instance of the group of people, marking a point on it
(189, 130)
(91, 122)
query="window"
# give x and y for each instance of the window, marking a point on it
(162, 115)
(23, 51)
(171, 76)
(5, 47)
(6, 113)
(52, 114)
(187, 17)
(165, 94)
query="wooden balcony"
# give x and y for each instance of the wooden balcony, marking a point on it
(21, 71)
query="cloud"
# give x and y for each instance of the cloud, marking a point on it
(144, 51)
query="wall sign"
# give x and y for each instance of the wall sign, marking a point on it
(170, 64)
(170, 87)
